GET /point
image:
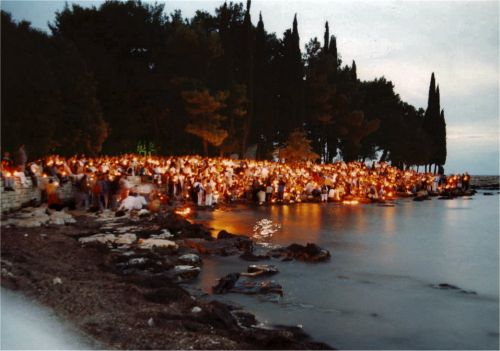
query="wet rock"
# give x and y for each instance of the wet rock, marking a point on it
(191, 259)
(446, 286)
(243, 286)
(186, 272)
(249, 256)
(487, 194)
(223, 247)
(245, 319)
(309, 253)
(255, 270)
(184, 229)
(223, 234)
(233, 283)
(225, 284)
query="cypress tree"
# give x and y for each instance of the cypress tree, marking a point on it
(250, 78)
(354, 74)
(430, 118)
(326, 37)
(430, 105)
(441, 159)
(332, 49)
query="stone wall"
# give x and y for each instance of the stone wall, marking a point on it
(24, 194)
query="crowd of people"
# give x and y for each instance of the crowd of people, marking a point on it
(133, 181)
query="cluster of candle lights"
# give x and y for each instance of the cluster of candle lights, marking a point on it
(228, 179)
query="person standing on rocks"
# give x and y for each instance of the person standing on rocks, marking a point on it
(21, 158)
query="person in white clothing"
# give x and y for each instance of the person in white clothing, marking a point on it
(133, 202)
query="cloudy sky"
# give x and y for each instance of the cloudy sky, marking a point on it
(405, 41)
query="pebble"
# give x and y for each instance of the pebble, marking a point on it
(56, 281)
(151, 322)
(196, 309)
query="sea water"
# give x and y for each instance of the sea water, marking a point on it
(378, 291)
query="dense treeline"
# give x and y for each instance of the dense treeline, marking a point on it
(125, 74)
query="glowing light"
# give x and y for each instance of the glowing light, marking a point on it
(183, 212)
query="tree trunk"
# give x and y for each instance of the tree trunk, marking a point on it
(205, 148)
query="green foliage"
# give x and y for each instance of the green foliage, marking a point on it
(297, 148)
(146, 148)
(205, 119)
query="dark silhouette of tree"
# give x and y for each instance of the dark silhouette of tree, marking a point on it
(124, 73)
(435, 127)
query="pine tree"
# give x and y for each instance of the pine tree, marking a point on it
(298, 148)
(205, 120)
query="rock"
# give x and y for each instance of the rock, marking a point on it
(120, 213)
(222, 247)
(186, 272)
(61, 218)
(156, 243)
(488, 194)
(137, 261)
(189, 259)
(151, 322)
(56, 281)
(255, 270)
(245, 319)
(126, 239)
(225, 284)
(219, 315)
(98, 238)
(143, 213)
(249, 256)
(446, 286)
(251, 287)
(165, 234)
(196, 309)
(309, 253)
(232, 283)
(226, 235)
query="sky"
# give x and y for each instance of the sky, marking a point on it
(404, 41)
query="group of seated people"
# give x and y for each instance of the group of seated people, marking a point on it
(132, 181)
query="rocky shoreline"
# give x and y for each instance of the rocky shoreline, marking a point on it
(116, 279)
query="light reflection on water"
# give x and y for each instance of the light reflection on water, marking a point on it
(375, 292)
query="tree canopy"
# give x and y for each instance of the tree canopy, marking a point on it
(111, 77)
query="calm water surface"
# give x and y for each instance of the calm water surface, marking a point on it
(376, 292)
